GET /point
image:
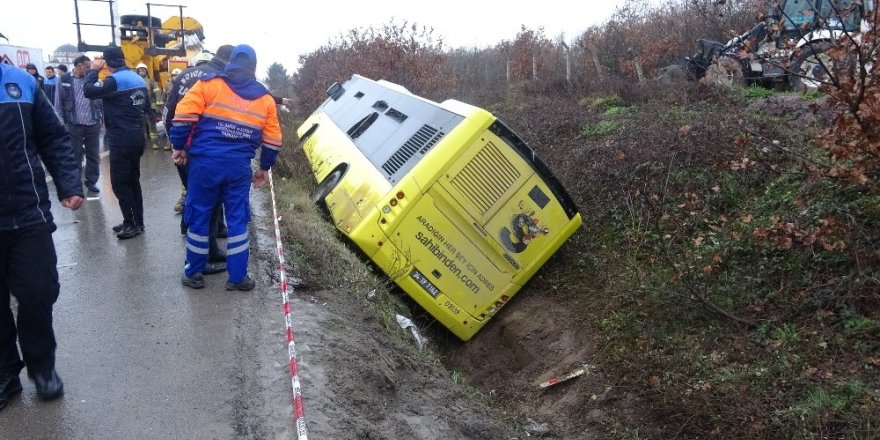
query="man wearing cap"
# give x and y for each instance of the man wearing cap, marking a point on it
(230, 115)
(182, 84)
(125, 100)
(32, 137)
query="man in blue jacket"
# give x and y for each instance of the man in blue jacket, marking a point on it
(125, 100)
(49, 83)
(31, 135)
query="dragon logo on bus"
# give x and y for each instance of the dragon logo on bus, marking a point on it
(524, 228)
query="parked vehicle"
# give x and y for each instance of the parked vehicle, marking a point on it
(160, 45)
(788, 48)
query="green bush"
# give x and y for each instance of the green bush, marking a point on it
(599, 129)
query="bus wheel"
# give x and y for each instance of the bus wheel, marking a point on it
(326, 185)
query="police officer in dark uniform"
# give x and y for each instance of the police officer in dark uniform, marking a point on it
(30, 134)
(125, 99)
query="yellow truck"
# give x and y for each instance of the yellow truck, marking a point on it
(160, 45)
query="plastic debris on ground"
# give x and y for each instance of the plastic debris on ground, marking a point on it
(407, 324)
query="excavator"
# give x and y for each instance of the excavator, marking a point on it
(161, 46)
(786, 49)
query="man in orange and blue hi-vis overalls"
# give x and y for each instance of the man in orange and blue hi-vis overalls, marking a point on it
(228, 115)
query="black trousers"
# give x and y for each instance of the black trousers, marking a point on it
(182, 173)
(86, 142)
(27, 271)
(125, 177)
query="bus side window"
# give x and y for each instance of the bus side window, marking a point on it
(361, 126)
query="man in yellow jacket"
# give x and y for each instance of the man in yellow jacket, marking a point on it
(227, 116)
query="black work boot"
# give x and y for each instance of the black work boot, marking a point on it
(10, 385)
(120, 226)
(48, 384)
(214, 267)
(247, 284)
(197, 281)
(129, 231)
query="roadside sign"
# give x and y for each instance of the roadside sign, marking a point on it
(21, 56)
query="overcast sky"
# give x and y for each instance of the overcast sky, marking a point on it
(281, 36)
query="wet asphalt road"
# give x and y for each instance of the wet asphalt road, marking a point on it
(141, 356)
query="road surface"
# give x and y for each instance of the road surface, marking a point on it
(143, 357)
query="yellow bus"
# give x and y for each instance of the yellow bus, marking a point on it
(444, 198)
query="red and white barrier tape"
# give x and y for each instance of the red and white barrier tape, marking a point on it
(298, 412)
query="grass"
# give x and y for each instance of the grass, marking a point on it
(600, 129)
(603, 103)
(756, 92)
(800, 371)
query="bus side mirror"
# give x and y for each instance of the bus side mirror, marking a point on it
(335, 91)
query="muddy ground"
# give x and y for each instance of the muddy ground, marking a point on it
(535, 339)
(358, 380)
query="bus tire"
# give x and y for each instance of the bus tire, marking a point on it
(326, 185)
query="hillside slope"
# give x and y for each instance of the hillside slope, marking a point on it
(722, 285)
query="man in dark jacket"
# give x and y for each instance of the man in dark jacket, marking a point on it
(31, 69)
(31, 135)
(179, 87)
(82, 116)
(125, 100)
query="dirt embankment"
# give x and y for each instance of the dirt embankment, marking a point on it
(360, 380)
(537, 338)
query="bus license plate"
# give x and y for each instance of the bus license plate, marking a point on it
(425, 283)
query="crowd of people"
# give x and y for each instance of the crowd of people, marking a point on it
(216, 116)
